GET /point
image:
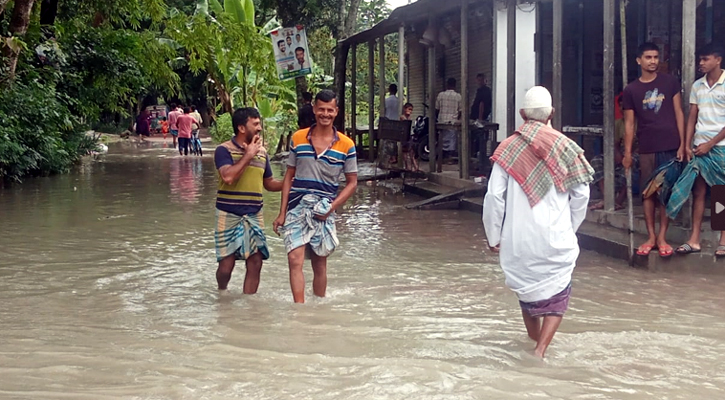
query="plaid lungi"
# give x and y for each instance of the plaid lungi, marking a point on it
(239, 235)
(711, 167)
(302, 229)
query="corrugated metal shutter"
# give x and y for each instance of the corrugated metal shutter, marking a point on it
(418, 70)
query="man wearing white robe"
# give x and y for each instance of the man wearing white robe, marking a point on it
(535, 235)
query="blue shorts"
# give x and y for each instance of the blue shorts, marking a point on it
(174, 132)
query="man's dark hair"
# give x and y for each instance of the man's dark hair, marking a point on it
(711, 49)
(172, 106)
(280, 42)
(393, 88)
(302, 49)
(242, 116)
(306, 96)
(406, 105)
(325, 96)
(481, 75)
(187, 110)
(646, 46)
(163, 118)
(451, 82)
(193, 108)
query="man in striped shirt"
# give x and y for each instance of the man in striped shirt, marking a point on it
(318, 156)
(706, 145)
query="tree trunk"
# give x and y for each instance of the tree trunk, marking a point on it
(21, 17)
(300, 87)
(18, 27)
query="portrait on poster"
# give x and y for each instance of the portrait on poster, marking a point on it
(291, 52)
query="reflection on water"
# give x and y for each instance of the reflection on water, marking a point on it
(107, 290)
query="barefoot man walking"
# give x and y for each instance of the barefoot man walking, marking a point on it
(537, 198)
(318, 155)
(244, 172)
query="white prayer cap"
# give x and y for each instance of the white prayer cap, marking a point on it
(537, 97)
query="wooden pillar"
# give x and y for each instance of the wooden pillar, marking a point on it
(689, 63)
(708, 22)
(401, 85)
(608, 68)
(464, 156)
(353, 97)
(432, 145)
(511, 67)
(371, 101)
(381, 76)
(557, 67)
(401, 68)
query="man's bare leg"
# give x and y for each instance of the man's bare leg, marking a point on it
(699, 192)
(649, 216)
(533, 326)
(319, 268)
(224, 272)
(296, 259)
(548, 329)
(664, 224)
(254, 268)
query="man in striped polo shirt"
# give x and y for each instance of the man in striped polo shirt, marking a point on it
(706, 146)
(318, 156)
(244, 172)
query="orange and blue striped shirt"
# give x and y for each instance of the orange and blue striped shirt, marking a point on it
(319, 173)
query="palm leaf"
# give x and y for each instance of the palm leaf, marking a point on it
(235, 9)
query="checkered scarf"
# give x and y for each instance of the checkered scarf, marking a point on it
(538, 157)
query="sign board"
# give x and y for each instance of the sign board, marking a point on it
(291, 52)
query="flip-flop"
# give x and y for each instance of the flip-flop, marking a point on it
(686, 249)
(667, 251)
(644, 250)
(720, 249)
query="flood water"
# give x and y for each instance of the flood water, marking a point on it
(107, 291)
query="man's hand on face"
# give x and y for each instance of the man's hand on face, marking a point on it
(253, 148)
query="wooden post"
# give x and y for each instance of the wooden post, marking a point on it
(708, 22)
(689, 25)
(511, 67)
(557, 67)
(401, 68)
(608, 67)
(432, 145)
(464, 156)
(401, 86)
(381, 75)
(383, 88)
(353, 97)
(371, 101)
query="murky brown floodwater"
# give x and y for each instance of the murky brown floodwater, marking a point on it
(107, 290)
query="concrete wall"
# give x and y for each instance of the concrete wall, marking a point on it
(525, 62)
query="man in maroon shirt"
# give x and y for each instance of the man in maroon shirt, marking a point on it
(654, 102)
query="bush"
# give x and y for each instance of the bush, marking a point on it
(39, 135)
(223, 129)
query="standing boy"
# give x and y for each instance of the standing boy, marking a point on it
(654, 103)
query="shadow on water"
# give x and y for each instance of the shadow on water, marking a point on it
(107, 291)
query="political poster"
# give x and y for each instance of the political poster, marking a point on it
(291, 52)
